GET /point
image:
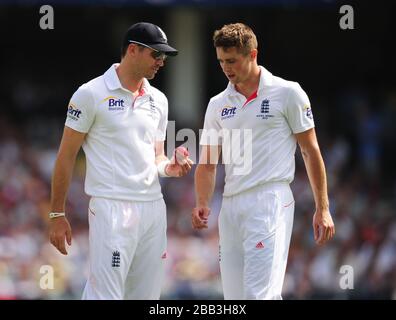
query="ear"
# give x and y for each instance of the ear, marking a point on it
(132, 48)
(253, 54)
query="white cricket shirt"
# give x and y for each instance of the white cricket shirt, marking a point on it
(121, 134)
(265, 125)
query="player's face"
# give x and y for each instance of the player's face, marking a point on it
(235, 65)
(151, 61)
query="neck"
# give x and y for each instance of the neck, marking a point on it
(129, 80)
(250, 85)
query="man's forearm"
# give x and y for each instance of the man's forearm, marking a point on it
(317, 177)
(204, 184)
(60, 183)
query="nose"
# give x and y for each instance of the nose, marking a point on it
(160, 62)
(226, 70)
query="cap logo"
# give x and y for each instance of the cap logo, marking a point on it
(163, 34)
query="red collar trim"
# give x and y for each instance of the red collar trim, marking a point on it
(252, 97)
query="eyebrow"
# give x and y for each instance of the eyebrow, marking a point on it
(228, 59)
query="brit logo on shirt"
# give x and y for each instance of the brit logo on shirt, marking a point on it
(114, 103)
(264, 110)
(227, 112)
(73, 113)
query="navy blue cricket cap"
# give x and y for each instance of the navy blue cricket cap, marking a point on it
(149, 35)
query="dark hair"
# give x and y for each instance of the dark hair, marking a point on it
(237, 35)
(124, 49)
(125, 46)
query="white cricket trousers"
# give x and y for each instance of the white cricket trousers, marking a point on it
(127, 249)
(255, 229)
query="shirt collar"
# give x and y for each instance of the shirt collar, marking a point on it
(265, 80)
(113, 82)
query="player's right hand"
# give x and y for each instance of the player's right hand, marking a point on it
(180, 163)
(199, 217)
(59, 231)
(323, 226)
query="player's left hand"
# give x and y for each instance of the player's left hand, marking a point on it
(323, 226)
(180, 163)
(199, 217)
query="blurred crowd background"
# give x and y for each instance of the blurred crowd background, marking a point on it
(348, 75)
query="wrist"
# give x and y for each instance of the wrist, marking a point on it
(322, 207)
(202, 204)
(320, 211)
(162, 168)
(53, 215)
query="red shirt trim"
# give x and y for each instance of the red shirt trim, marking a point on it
(252, 97)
